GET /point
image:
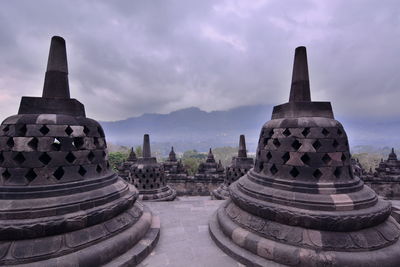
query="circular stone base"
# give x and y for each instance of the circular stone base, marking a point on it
(222, 192)
(162, 194)
(112, 243)
(252, 249)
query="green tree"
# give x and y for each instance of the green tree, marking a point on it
(116, 158)
(138, 151)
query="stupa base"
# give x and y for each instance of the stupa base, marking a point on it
(221, 193)
(162, 194)
(124, 240)
(251, 248)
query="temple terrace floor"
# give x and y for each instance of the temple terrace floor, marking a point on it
(184, 239)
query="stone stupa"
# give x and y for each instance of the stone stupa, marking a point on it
(60, 203)
(124, 168)
(148, 176)
(239, 166)
(174, 169)
(210, 170)
(301, 204)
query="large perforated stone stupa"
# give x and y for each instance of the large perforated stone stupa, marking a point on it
(301, 204)
(148, 176)
(60, 203)
(239, 166)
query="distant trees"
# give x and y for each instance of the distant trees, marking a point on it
(191, 160)
(116, 158)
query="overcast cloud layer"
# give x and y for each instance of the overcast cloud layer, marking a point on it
(132, 57)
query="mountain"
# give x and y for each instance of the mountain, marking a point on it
(192, 128)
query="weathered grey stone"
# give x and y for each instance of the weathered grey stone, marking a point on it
(301, 204)
(61, 204)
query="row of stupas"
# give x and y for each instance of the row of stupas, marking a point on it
(299, 205)
(148, 175)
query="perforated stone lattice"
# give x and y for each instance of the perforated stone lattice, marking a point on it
(59, 153)
(148, 177)
(304, 153)
(234, 173)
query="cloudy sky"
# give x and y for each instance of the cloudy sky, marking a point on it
(127, 58)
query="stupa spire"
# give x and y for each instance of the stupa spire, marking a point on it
(132, 155)
(56, 79)
(172, 155)
(300, 89)
(146, 146)
(242, 153)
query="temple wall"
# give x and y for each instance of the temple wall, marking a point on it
(193, 188)
(386, 189)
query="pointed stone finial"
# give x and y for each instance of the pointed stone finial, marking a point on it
(392, 155)
(146, 146)
(132, 155)
(300, 89)
(172, 155)
(210, 154)
(56, 79)
(242, 153)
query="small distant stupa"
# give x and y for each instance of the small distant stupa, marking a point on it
(210, 170)
(239, 166)
(148, 176)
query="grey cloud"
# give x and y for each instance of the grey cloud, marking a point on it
(131, 57)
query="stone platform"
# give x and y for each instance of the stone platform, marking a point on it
(184, 239)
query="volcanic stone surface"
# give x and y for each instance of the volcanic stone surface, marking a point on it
(60, 203)
(301, 204)
(239, 166)
(386, 178)
(210, 170)
(148, 176)
(124, 169)
(174, 169)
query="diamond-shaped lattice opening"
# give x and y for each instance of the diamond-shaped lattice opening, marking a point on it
(1, 158)
(70, 157)
(276, 143)
(294, 172)
(339, 132)
(44, 130)
(68, 130)
(269, 155)
(19, 158)
(265, 141)
(101, 132)
(305, 132)
(45, 158)
(305, 159)
(6, 174)
(30, 175)
(82, 171)
(286, 132)
(108, 166)
(33, 143)
(317, 173)
(90, 156)
(326, 159)
(56, 144)
(10, 142)
(286, 157)
(96, 142)
(337, 172)
(317, 144)
(271, 133)
(343, 158)
(6, 128)
(325, 132)
(296, 144)
(78, 142)
(335, 143)
(86, 130)
(273, 169)
(99, 168)
(20, 129)
(103, 154)
(59, 173)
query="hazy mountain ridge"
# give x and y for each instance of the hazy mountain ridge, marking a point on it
(192, 128)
